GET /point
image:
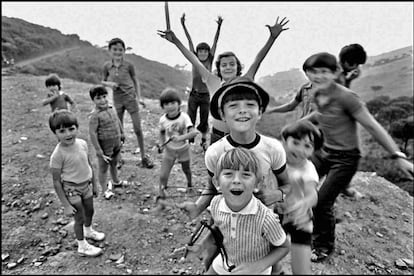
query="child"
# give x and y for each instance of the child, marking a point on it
(177, 126)
(338, 110)
(300, 139)
(253, 236)
(228, 68)
(73, 179)
(56, 97)
(199, 96)
(119, 74)
(107, 136)
(350, 58)
(240, 104)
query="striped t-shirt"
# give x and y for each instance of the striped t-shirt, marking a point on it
(249, 233)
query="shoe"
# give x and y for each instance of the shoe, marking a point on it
(120, 183)
(352, 192)
(89, 250)
(319, 255)
(147, 162)
(108, 194)
(95, 235)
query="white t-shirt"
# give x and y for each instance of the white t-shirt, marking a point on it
(175, 127)
(269, 151)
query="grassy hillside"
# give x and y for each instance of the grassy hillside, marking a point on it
(21, 40)
(386, 74)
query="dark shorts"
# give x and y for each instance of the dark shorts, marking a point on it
(111, 147)
(125, 102)
(75, 193)
(298, 236)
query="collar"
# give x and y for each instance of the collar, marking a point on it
(246, 146)
(250, 209)
(175, 117)
(113, 65)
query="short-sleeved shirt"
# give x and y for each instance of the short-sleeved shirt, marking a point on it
(299, 177)
(198, 84)
(335, 117)
(61, 102)
(72, 161)
(174, 127)
(249, 233)
(305, 96)
(123, 75)
(269, 151)
(106, 122)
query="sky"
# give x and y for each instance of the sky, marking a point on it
(313, 27)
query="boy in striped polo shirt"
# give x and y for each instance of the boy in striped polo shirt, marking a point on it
(252, 235)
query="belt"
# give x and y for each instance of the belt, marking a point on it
(218, 132)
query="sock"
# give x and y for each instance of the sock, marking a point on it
(82, 243)
(87, 230)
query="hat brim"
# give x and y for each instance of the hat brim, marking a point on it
(218, 96)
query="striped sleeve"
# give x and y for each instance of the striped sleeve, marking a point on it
(272, 230)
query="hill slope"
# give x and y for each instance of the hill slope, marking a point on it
(37, 238)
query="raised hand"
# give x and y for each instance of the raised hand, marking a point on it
(219, 20)
(276, 29)
(168, 35)
(183, 19)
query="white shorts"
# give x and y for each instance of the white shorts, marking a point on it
(220, 268)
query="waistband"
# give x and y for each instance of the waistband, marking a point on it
(331, 150)
(73, 184)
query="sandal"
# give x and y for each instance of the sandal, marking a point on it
(319, 255)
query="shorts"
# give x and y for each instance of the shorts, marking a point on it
(181, 155)
(111, 147)
(298, 236)
(221, 269)
(125, 101)
(75, 193)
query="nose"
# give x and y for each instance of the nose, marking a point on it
(236, 178)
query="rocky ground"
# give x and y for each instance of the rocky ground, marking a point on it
(375, 235)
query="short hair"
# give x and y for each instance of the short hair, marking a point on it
(353, 54)
(98, 90)
(238, 157)
(114, 41)
(51, 80)
(319, 60)
(302, 128)
(240, 93)
(62, 118)
(168, 95)
(228, 54)
(203, 46)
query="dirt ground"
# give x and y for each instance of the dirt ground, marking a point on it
(375, 235)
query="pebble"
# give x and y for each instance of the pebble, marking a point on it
(11, 265)
(408, 262)
(115, 257)
(4, 256)
(45, 216)
(379, 234)
(37, 264)
(21, 259)
(129, 271)
(401, 264)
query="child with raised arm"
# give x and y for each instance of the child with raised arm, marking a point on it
(300, 140)
(73, 179)
(338, 111)
(106, 134)
(56, 98)
(228, 68)
(176, 127)
(119, 75)
(199, 97)
(252, 235)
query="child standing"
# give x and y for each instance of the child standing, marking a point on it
(199, 96)
(119, 74)
(253, 236)
(176, 127)
(73, 179)
(56, 97)
(300, 140)
(107, 135)
(338, 110)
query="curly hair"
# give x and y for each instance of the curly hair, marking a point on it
(228, 54)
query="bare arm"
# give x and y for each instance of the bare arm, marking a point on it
(93, 180)
(191, 133)
(187, 34)
(384, 139)
(289, 106)
(57, 184)
(50, 98)
(275, 31)
(216, 37)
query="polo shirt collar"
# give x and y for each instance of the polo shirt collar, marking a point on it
(250, 209)
(113, 65)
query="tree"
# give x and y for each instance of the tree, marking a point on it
(404, 130)
(376, 104)
(389, 114)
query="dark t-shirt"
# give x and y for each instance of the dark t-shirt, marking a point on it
(198, 84)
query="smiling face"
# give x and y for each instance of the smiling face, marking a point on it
(67, 135)
(117, 51)
(321, 78)
(237, 187)
(228, 67)
(171, 108)
(298, 150)
(241, 116)
(202, 54)
(101, 101)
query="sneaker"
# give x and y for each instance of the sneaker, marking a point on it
(108, 194)
(95, 235)
(352, 192)
(120, 183)
(147, 162)
(89, 250)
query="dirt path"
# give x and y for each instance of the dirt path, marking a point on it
(374, 235)
(49, 54)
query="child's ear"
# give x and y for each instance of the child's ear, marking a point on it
(258, 183)
(221, 115)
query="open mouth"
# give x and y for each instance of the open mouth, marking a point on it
(244, 119)
(236, 192)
